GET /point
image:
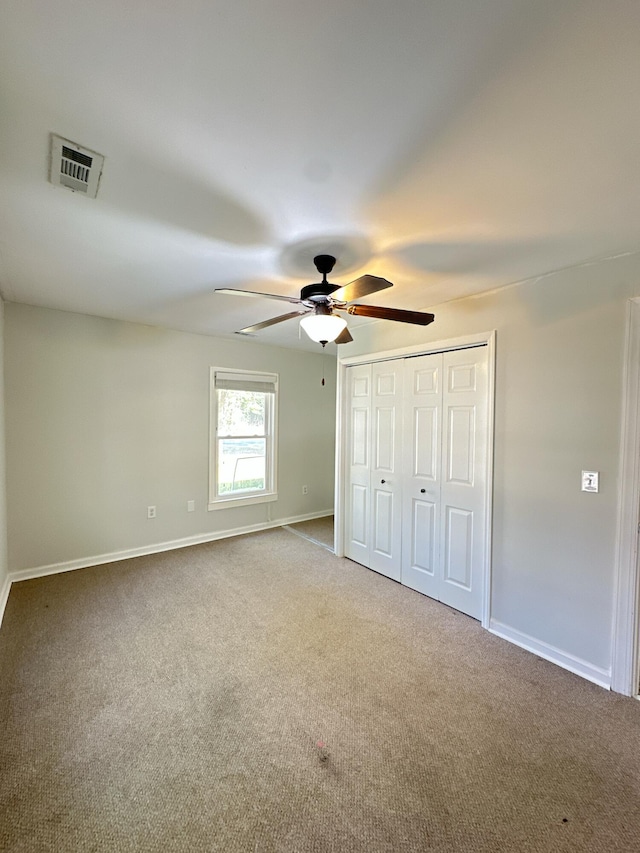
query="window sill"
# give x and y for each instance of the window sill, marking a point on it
(244, 500)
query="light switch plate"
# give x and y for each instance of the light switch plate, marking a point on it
(590, 481)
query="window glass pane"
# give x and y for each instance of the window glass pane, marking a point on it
(241, 412)
(241, 465)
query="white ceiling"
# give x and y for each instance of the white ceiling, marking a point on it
(452, 146)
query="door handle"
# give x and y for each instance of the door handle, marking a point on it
(383, 482)
(422, 491)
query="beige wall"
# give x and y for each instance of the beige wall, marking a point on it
(105, 418)
(559, 354)
(3, 511)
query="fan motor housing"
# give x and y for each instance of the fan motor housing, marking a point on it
(318, 292)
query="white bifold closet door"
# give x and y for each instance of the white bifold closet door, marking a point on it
(445, 482)
(374, 494)
(417, 470)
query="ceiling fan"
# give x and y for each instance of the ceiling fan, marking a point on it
(319, 301)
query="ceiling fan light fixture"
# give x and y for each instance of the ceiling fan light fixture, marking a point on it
(323, 328)
(317, 302)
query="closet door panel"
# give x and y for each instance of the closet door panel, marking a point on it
(458, 547)
(463, 487)
(358, 501)
(422, 557)
(386, 467)
(358, 528)
(422, 466)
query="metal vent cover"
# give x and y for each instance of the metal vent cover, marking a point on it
(75, 167)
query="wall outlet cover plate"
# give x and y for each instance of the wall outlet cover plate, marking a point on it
(590, 481)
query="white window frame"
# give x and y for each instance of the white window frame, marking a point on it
(270, 493)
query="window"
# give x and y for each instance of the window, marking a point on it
(243, 437)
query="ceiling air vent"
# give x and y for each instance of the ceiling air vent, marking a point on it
(75, 167)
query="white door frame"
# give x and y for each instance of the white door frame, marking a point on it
(479, 339)
(625, 664)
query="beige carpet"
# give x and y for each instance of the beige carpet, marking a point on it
(317, 529)
(261, 694)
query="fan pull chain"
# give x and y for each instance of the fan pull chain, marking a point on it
(324, 355)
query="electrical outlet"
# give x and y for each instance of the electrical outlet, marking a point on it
(305, 490)
(191, 506)
(151, 512)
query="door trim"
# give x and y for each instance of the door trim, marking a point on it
(487, 339)
(625, 663)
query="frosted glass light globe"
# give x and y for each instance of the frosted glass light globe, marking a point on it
(323, 327)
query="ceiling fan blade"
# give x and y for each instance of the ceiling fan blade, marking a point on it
(344, 337)
(420, 318)
(249, 330)
(230, 291)
(362, 286)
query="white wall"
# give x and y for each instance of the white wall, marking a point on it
(558, 405)
(105, 418)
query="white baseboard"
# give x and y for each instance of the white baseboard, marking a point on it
(115, 556)
(602, 677)
(4, 595)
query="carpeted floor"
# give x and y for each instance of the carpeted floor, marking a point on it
(317, 529)
(261, 694)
